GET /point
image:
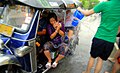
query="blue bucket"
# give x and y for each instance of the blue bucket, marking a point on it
(75, 22)
(78, 14)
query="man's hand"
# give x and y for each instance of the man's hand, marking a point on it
(85, 12)
(79, 9)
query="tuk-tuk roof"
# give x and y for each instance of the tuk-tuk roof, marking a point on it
(51, 3)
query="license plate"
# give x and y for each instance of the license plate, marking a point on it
(6, 30)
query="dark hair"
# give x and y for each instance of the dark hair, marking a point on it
(52, 15)
(45, 14)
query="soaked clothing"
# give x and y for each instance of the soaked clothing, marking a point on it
(50, 46)
(110, 20)
(42, 25)
(56, 43)
(57, 39)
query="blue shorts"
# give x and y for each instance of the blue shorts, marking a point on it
(101, 48)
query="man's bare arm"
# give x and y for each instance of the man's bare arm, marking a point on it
(85, 12)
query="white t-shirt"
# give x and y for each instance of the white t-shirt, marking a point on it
(69, 19)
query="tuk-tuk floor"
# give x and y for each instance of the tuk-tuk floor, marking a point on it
(77, 63)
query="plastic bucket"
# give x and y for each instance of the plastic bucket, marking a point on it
(78, 14)
(75, 22)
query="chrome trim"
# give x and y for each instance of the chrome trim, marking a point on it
(21, 51)
(64, 3)
(37, 24)
(1, 44)
(23, 40)
(7, 46)
(8, 59)
(33, 57)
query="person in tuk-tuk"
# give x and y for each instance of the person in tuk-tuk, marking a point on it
(56, 32)
(68, 23)
(42, 32)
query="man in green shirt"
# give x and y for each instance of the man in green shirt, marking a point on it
(103, 41)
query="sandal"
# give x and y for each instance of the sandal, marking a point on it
(48, 65)
(54, 65)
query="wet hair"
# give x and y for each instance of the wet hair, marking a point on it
(52, 15)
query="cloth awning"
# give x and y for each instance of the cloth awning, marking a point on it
(51, 3)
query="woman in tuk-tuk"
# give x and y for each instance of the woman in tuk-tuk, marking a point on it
(56, 32)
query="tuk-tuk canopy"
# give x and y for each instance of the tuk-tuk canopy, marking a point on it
(51, 3)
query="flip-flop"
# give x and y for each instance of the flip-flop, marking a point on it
(54, 65)
(48, 65)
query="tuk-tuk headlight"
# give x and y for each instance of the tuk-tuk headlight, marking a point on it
(21, 51)
(1, 44)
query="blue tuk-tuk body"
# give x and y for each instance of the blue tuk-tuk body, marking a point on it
(18, 33)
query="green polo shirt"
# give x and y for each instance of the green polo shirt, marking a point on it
(110, 20)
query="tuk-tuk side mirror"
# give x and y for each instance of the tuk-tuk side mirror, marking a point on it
(21, 51)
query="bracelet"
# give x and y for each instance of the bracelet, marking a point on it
(56, 32)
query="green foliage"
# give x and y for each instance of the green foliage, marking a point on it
(88, 4)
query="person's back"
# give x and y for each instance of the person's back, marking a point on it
(110, 20)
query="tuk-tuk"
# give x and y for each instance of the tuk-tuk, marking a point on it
(19, 21)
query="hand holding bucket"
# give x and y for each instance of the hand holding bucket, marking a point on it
(75, 22)
(78, 14)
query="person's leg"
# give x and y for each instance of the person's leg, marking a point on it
(98, 65)
(61, 50)
(116, 67)
(61, 55)
(59, 58)
(47, 48)
(70, 34)
(48, 55)
(94, 53)
(90, 65)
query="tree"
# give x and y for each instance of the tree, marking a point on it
(88, 4)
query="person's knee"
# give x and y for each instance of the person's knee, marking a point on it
(46, 46)
(70, 33)
(62, 51)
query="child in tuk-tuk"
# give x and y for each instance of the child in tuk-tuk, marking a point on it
(68, 23)
(56, 32)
